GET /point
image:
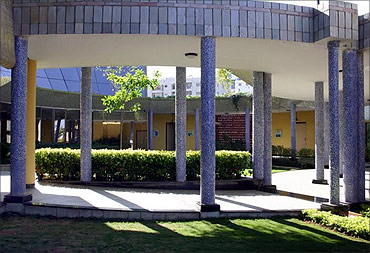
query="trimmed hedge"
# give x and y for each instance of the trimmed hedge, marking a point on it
(354, 226)
(135, 165)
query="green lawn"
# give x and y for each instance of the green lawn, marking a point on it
(218, 235)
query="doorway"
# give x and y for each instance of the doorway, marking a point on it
(301, 135)
(141, 139)
(170, 136)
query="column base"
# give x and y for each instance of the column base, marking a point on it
(319, 181)
(30, 186)
(17, 198)
(208, 208)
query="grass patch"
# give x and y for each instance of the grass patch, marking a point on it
(249, 172)
(219, 235)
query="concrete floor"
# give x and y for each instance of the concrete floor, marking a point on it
(155, 200)
(298, 181)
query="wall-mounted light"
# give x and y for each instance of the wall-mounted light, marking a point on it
(191, 55)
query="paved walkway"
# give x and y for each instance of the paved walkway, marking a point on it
(300, 181)
(157, 200)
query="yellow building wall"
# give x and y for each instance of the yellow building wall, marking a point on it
(282, 121)
(97, 130)
(140, 127)
(190, 125)
(159, 123)
(46, 126)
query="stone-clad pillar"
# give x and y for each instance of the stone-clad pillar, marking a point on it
(319, 133)
(180, 130)
(350, 126)
(150, 129)
(267, 107)
(18, 125)
(258, 126)
(86, 123)
(342, 124)
(333, 47)
(361, 129)
(197, 129)
(208, 145)
(247, 129)
(326, 134)
(293, 132)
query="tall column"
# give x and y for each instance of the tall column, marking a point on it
(267, 149)
(326, 134)
(18, 125)
(31, 124)
(350, 126)
(86, 124)
(333, 47)
(208, 144)
(361, 129)
(258, 123)
(197, 129)
(150, 129)
(132, 127)
(293, 129)
(342, 124)
(319, 133)
(180, 127)
(247, 129)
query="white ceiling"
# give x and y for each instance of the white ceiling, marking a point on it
(294, 66)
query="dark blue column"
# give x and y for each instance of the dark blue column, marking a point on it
(361, 129)
(333, 47)
(350, 126)
(18, 125)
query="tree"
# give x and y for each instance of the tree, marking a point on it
(129, 86)
(224, 79)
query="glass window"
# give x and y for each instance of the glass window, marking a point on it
(106, 89)
(188, 93)
(198, 84)
(73, 86)
(41, 73)
(58, 84)
(43, 83)
(173, 86)
(71, 74)
(54, 73)
(188, 85)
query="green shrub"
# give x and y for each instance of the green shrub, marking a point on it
(281, 151)
(135, 165)
(354, 226)
(306, 153)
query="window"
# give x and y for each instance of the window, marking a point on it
(278, 133)
(188, 85)
(198, 93)
(198, 84)
(188, 93)
(173, 86)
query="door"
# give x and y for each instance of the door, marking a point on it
(141, 139)
(170, 136)
(301, 135)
